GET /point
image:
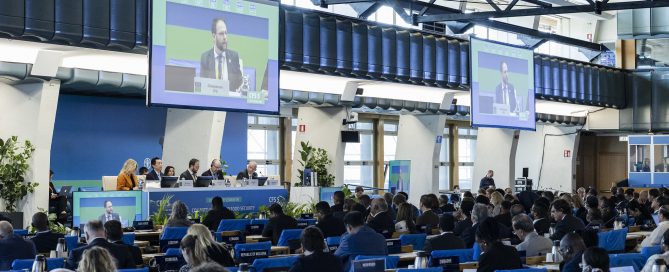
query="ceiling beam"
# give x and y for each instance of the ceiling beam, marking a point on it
(539, 3)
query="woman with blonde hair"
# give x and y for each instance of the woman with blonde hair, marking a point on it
(127, 180)
(215, 251)
(96, 259)
(193, 251)
(496, 200)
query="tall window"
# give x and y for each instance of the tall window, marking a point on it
(444, 178)
(389, 146)
(466, 156)
(359, 157)
(387, 15)
(263, 143)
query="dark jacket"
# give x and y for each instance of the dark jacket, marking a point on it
(134, 251)
(444, 241)
(276, 225)
(448, 207)
(331, 226)
(499, 257)
(208, 65)
(218, 174)
(486, 182)
(568, 224)
(542, 226)
(572, 265)
(428, 218)
(186, 175)
(504, 219)
(245, 175)
(318, 261)
(152, 175)
(364, 242)
(14, 248)
(462, 226)
(337, 208)
(581, 214)
(120, 253)
(469, 236)
(219, 254)
(46, 241)
(382, 223)
(214, 217)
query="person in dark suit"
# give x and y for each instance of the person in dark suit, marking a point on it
(329, 225)
(379, 219)
(338, 200)
(95, 237)
(249, 172)
(109, 213)
(114, 232)
(527, 199)
(464, 217)
(571, 248)
(505, 93)
(444, 205)
(359, 240)
(58, 202)
(214, 170)
(13, 247)
(217, 213)
(495, 256)
(220, 62)
(278, 222)
(44, 239)
(487, 181)
(446, 240)
(542, 224)
(504, 217)
(156, 167)
(191, 172)
(428, 217)
(566, 222)
(313, 258)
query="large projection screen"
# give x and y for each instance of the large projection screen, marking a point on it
(502, 92)
(215, 54)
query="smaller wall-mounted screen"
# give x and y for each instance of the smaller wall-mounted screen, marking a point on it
(123, 206)
(502, 89)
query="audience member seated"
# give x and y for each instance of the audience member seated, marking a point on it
(640, 214)
(579, 210)
(428, 217)
(338, 200)
(97, 259)
(504, 216)
(532, 243)
(359, 191)
(126, 179)
(379, 219)
(648, 267)
(516, 209)
(400, 198)
(495, 255)
(350, 205)
(58, 202)
(463, 216)
(446, 240)
(594, 218)
(216, 252)
(527, 199)
(566, 222)
(595, 259)
(479, 214)
(114, 232)
(571, 248)
(434, 203)
(444, 205)
(13, 247)
(366, 202)
(209, 267)
(95, 237)
(217, 213)
(496, 201)
(359, 240)
(388, 197)
(655, 237)
(278, 222)
(313, 258)
(405, 219)
(179, 216)
(194, 252)
(607, 207)
(329, 225)
(44, 239)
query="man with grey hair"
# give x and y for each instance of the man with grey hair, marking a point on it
(389, 200)
(571, 248)
(532, 243)
(96, 236)
(479, 214)
(13, 247)
(249, 172)
(380, 219)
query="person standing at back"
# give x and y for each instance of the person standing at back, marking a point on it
(487, 181)
(13, 247)
(359, 240)
(217, 213)
(278, 221)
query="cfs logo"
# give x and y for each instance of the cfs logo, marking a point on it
(277, 199)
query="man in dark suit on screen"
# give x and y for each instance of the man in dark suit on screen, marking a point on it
(505, 93)
(221, 62)
(109, 213)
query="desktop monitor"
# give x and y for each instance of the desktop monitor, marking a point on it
(203, 181)
(169, 182)
(124, 206)
(262, 181)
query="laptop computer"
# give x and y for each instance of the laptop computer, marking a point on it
(262, 181)
(65, 191)
(168, 182)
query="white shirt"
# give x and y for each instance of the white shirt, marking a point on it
(224, 65)
(655, 237)
(401, 226)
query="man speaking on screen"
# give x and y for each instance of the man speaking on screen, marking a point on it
(505, 93)
(220, 62)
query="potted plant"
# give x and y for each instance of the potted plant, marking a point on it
(318, 161)
(160, 217)
(14, 165)
(54, 226)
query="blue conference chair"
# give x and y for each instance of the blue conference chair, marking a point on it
(416, 240)
(430, 269)
(635, 260)
(274, 263)
(173, 252)
(71, 242)
(144, 269)
(333, 243)
(391, 261)
(22, 232)
(614, 240)
(464, 255)
(51, 263)
(171, 237)
(247, 253)
(651, 250)
(476, 252)
(233, 224)
(524, 270)
(289, 235)
(129, 238)
(259, 221)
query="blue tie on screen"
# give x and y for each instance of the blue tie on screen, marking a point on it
(220, 66)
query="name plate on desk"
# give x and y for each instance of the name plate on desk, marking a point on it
(371, 265)
(186, 183)
(219, 183)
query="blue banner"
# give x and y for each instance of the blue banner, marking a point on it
(237, 199)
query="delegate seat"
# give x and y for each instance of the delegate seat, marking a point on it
(171, 237)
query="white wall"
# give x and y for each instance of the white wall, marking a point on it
(192, 134)
(28, 110)
(416, 141)
(558, 171)
(494, 150)
(323, 130)
(604, 119)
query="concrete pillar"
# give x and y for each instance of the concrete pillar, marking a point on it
(494, 151)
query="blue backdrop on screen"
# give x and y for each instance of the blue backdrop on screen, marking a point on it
(244, 201)
(502, 92)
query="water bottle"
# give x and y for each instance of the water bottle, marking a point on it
(421, 259)
(61, 248)
(74, 232)
(555, 251)
(141, 184)
(243, 267)
(659, 266)
(40, 264)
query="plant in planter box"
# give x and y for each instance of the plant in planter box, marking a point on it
(160, 216)
(317, 160)
(14, 165)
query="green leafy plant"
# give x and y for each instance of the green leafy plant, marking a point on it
(318, 161)
(13, 168)
(54, 226)
(295, 210)
(224, 168)
(347, 192)
(199, 214)
(160, 216)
